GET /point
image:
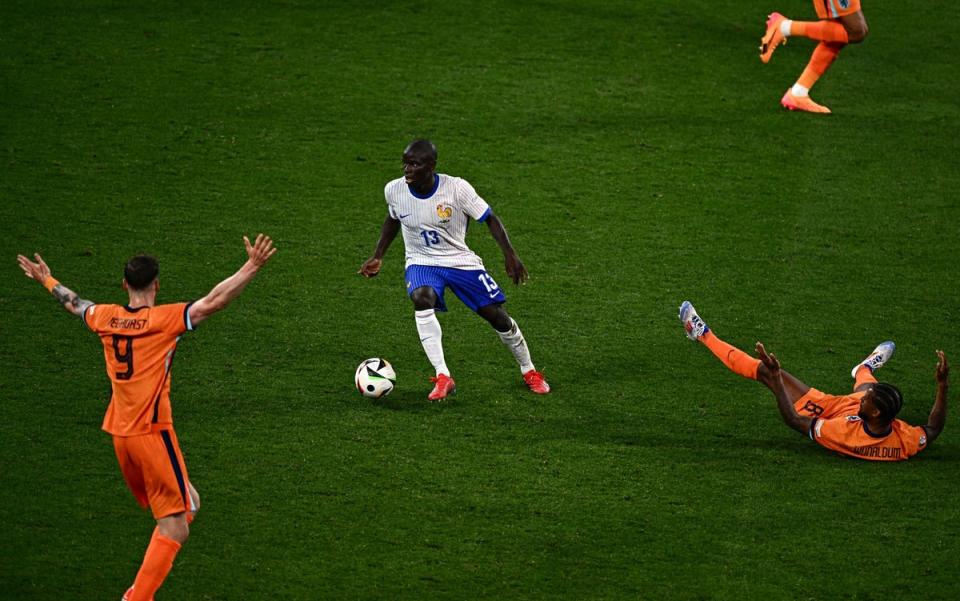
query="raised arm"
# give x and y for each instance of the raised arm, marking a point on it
(798, 422)
(41, 273)
(388, 231)
(938, 415)
(512, 263)
(223, 293)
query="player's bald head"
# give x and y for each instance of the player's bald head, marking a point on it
(422, 149)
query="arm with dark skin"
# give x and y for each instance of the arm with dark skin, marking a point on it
(938, 415)
(789, 414)
(66, 297)
(512, 263)
(389, 231)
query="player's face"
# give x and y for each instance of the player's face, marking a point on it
(867, 408)
(417, 168)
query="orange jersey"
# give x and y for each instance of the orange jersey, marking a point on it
(837, 427)
(138, 347)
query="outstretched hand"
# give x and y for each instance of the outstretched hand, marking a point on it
(943, 368)
(38, 271)
(261, 250)
(768, 359)
(371, 267)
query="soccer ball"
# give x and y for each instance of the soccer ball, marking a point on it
(375, 378)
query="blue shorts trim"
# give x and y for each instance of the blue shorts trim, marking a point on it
(474, 287)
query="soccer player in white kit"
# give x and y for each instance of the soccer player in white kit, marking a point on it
(433, 211)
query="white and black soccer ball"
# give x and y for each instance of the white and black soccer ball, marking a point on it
(375, 378)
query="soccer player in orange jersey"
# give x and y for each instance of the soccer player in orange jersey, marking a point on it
(841, 23)
(862, 424)
(139, 342)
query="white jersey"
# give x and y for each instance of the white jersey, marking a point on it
(435, 226)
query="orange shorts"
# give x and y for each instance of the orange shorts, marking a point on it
(825, 406)
(155, 471)
(833, 9)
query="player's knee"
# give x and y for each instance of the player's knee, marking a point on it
(496, 316)
(423, 298)
(856, 30)
(175, 528)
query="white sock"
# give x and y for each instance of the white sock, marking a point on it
(513, 339)
(431, 338)
(798, 90)
(785, 27)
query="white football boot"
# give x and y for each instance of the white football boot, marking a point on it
(877, 358)
(692, 323)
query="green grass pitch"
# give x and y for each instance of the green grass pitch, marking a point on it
(638, 156)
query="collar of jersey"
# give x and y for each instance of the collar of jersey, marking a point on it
(134, 310)
(436, 184)
(872, 435)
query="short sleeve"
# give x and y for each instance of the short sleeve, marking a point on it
(918, 439)
(174, 319)
(92, 316)
(387, 197)
(470, 201)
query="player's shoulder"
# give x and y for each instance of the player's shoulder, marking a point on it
(178, 306)
(394, 186)
(104, 309)
(452, 181)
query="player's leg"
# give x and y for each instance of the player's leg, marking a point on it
(170, 495)
(428, 326)
(168, 537)
(735, 359)
(862, 372)
(797, 98)
(426, 285)
(856, 25)
(479, 291)
(840, 23)
(511, 336)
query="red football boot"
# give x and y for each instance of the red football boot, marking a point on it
(444, 386)
(535, 382)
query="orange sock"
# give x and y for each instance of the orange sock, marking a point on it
(864, 376)
(822, 31)
(821, 60)
(736, 360)
(156, 565)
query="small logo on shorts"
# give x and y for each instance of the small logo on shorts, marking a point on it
(444, 213)
(844, 4)
(409, 285)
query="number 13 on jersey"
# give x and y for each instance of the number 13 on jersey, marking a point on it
(430, 237)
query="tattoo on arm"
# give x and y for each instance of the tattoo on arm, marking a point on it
(81, 305)
(70, 300)
(62, 294)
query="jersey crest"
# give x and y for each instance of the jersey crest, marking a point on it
(444, 213)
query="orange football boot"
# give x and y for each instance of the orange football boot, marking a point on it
(444, 386)
(802, 103)
(772, 37)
